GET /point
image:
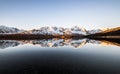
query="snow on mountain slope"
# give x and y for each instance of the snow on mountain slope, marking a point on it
(94, 31)
(76, 30)
(9, 30)
(45, 30)
(57, 30)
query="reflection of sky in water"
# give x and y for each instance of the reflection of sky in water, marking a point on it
(81, 45)
(90, 57)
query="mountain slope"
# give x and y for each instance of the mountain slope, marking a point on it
(9, 30)
(111, 32)
(94, 31)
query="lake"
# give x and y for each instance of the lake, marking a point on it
(60, 56)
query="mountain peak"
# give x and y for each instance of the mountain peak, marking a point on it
(49, 30)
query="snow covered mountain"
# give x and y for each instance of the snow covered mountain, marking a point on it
(46, 30)
(57, 31)
(9, 30)
(94, 31)
(76, 30)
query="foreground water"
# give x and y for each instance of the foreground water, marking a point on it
(60, 56)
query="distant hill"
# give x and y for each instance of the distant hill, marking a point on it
(109, 32)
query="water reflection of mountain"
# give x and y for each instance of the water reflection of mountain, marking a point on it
(76, 43)
(8, 43)
(57, 42)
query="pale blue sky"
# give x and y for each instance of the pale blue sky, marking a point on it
(90, 14)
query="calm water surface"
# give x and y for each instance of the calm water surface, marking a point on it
(82, 56)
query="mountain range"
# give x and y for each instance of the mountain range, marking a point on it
(49, 31)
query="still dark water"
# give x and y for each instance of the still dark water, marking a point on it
(82, 56)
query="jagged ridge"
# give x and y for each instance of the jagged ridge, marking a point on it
(49, 31)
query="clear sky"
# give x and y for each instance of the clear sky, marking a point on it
(90, 14)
